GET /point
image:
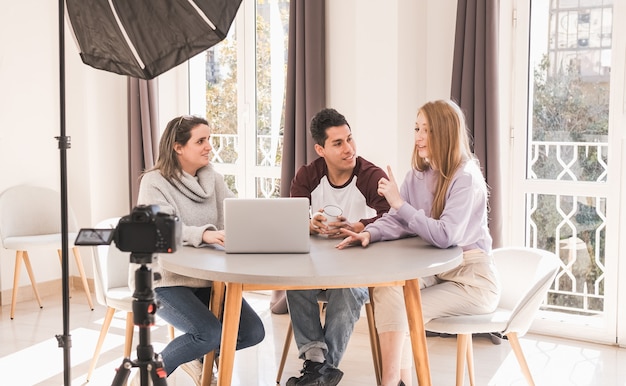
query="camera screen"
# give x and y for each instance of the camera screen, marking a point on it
(94, 237)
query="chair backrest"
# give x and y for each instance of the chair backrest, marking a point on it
(526, 274)
(32, 211)
(110, 265)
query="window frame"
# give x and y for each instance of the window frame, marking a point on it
(612, 326)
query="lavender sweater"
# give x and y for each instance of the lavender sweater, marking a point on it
(197, 201)
(464, 218)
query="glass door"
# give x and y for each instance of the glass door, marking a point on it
(567, 145)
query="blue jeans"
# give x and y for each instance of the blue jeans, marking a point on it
(342, 312)
(187, 310)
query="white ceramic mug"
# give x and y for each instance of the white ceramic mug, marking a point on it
(331, 212)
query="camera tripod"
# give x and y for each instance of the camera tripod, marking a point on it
(144, 310)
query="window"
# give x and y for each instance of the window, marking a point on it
(239, 85)
(572, 171)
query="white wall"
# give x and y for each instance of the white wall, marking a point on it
(383, 63)
(96, 121)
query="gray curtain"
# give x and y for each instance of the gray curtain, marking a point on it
(475, 89)
(305, 96)
(143, 130)
(306, 85)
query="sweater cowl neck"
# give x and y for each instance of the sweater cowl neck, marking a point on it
(197, 188)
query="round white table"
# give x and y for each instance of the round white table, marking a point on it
(399, 262)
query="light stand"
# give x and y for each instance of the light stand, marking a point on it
(65, 340)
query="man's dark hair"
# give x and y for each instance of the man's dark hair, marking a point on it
(323, 120)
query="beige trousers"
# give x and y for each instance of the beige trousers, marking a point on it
(471, 288)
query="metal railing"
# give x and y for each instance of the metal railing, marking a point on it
(573, 226)
(226, 150)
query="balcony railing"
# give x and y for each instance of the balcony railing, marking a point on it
(572, 226)
(226, 150)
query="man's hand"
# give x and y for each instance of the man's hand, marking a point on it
(320, 225)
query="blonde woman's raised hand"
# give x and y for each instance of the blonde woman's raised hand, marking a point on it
(388, 188)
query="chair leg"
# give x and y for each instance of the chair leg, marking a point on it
(283, 358)
(83, 277)
(521, 359)
(170, 332)
(19, 257)
(130, 330)
(374, 342)
(31, 275)
(108, 317)
(81, 270)
(461, 352)
(16, 280)
(470, 360)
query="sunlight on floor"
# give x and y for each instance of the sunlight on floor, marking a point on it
(31, 338)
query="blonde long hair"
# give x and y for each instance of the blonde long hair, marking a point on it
(449, 145)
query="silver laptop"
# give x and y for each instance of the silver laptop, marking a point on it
(266, 225)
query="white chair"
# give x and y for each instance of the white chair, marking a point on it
(526, 274)
(30, 218)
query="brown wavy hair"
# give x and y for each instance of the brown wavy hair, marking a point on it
(178, 130)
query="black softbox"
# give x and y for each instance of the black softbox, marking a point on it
(145, 38)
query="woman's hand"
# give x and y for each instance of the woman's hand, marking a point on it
(214, 237)
(388, 188)
(354, 238)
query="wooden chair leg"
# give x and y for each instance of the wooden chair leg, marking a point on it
(521, 359)
(470, 360)
(108, 317)
(374, 342)
(283, 358)
(130, 330)
(31, 276)
(19, 257)
(16, 280)
(170, 332)
(83, 277)
(461, 352)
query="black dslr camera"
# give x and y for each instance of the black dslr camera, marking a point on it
(144, 231)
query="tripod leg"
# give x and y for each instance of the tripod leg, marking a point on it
(121, 374)
(157, 374)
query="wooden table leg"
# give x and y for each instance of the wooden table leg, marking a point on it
(230, 327)
(217, 300)
(413, 302)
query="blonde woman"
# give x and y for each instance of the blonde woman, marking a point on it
(443, 200)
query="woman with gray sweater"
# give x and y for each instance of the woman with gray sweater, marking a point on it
(185, 184)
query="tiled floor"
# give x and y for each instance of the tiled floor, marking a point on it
(29, 352)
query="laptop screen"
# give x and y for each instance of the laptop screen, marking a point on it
(266, 225)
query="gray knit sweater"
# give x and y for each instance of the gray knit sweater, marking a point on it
(198, 203)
